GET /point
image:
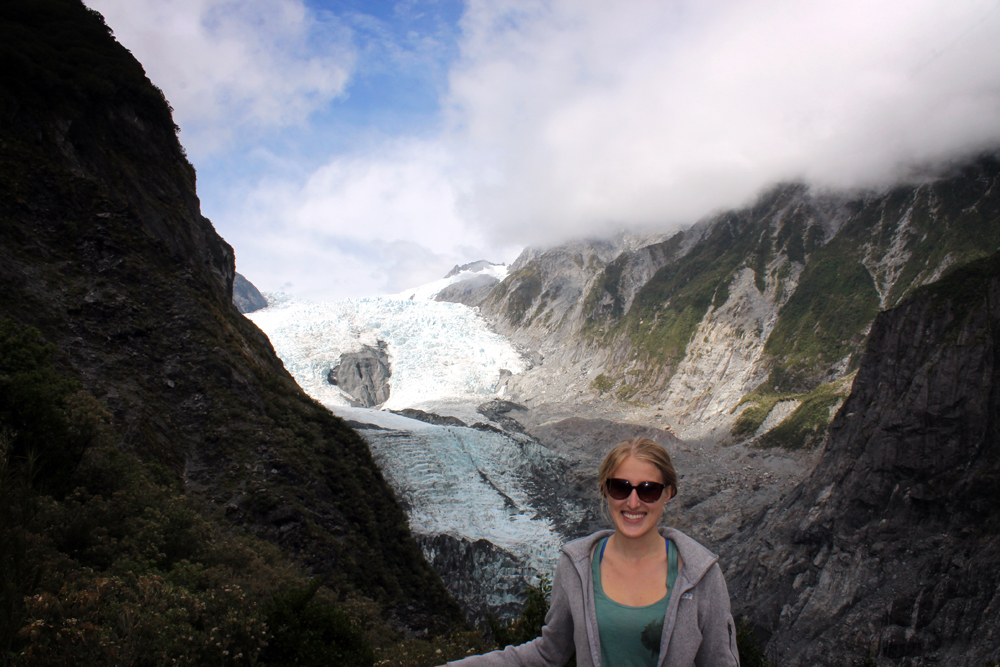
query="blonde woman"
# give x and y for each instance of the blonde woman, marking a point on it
(640, 595)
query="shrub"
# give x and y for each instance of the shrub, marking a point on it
(307, 631)
(529, 624)
(751, 654)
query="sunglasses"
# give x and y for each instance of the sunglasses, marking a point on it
(648, 492)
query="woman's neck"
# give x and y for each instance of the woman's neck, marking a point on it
(635, 549)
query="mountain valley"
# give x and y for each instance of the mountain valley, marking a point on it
(822, 366)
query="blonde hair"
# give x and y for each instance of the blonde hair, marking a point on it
(643, 449)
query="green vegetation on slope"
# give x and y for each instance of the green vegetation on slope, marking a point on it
(518, 291)
(667, 310)
(913, 231)
(824, 320)
(807, 424)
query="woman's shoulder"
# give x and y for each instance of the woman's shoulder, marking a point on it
(697, 559)
(580, 548)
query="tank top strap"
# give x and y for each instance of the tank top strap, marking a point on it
(672, 565)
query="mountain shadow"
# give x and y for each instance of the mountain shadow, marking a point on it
(104, 250)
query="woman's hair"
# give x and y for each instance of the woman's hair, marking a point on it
(643, 449)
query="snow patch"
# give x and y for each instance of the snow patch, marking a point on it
(430, 290)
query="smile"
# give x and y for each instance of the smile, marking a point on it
(634, 516)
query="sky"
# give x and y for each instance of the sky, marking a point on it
(361, 147)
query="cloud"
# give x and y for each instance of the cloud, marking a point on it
(577, 116)
(232, 66)
(361, 225)
(561, 119)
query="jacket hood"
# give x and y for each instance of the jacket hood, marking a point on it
(696, 559)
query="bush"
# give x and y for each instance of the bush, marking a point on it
(46, 415)
(529, 624)
(751, 654)
(307, 631)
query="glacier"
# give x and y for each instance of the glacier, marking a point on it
(459, 485)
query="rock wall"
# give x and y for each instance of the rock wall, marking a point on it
(247, 297)
(892, 546)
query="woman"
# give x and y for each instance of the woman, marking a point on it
(637, 596)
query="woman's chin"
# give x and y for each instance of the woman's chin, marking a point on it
(632, 527)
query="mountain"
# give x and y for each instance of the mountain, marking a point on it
(890, 548)
(751, 310)
(471, 282)
(103, 249)
(247, 297)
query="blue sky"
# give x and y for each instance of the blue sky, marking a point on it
(352, 148)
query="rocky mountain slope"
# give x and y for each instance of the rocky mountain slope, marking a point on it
(104, 250)
(890, 547)
(761, 308)
(247, 297)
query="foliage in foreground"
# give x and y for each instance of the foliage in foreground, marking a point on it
(103, 559)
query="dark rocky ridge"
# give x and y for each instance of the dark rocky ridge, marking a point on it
(892, 546)
(104, 250)
(472, 290)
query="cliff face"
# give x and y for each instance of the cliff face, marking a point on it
(755, 307)
(891, 545)
(103, 248)
(247, 297)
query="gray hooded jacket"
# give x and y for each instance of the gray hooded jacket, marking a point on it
(698, 628)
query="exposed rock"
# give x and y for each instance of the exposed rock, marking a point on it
(473, 267)
(496, 411)
(892, 546)
(430, 417)
(590, 439)
(246, 297)
(364, 375)
(480, 575)
(778, 296)
(470, 291)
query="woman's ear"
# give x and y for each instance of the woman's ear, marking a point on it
(673, 492)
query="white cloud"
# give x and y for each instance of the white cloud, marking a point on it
(228, 66)
(360, 225)
(565, 118)
(579, 115)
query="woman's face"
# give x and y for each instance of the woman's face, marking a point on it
(632, 517)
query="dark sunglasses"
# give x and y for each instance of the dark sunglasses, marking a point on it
(648, 492)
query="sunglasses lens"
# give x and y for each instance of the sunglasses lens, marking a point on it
(648, 492)
(619, 489)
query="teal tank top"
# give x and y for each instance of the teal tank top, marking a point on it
(630, 636)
